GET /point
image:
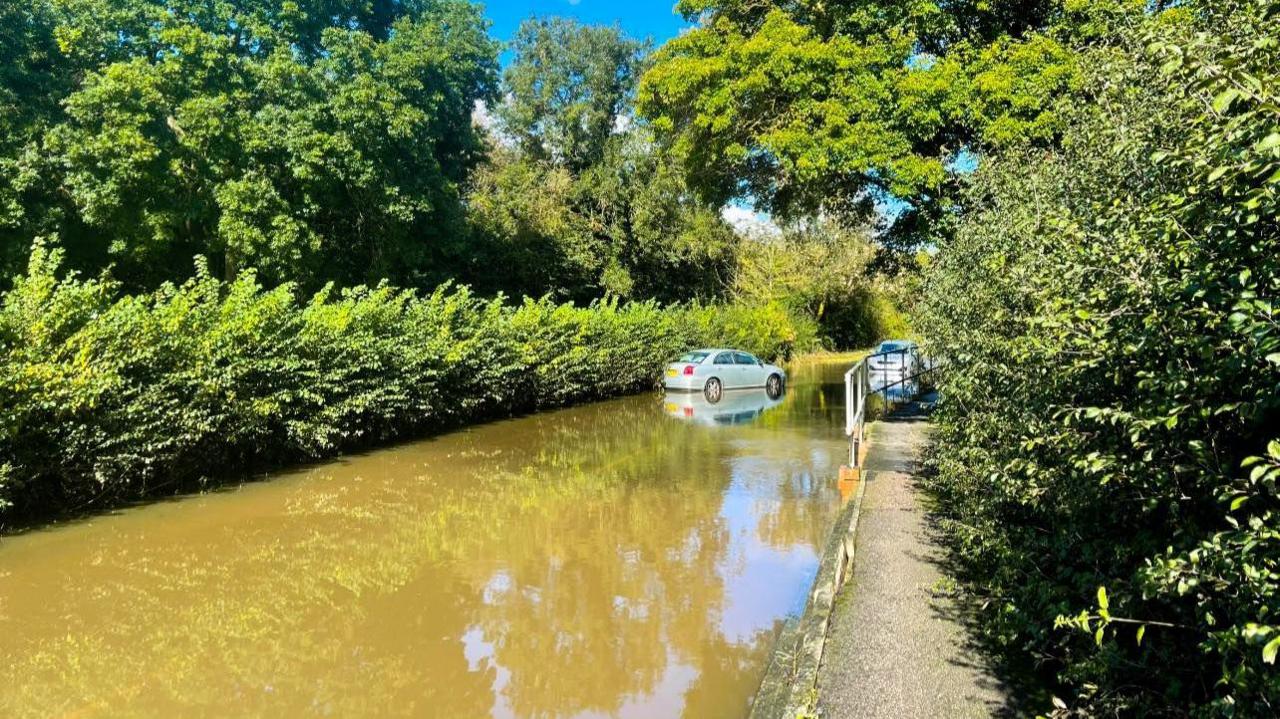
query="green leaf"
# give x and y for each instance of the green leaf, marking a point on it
(1268, 142)
(1269, 651)
(1102, 598)
(1142, 632)
(1224, 99)
(1098, 635)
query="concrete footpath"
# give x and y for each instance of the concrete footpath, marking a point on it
(895, 646)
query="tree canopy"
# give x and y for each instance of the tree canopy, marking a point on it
(579, 200)
(317, 140)
(807, 106)
(567, 88)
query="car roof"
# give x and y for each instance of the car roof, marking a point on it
(710, 350)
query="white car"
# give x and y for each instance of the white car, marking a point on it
(895, 355)
(712, 371)
(893, 363)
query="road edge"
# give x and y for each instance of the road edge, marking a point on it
(789, 688)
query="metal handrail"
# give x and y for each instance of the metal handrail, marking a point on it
(857, 388)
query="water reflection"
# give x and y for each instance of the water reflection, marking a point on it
(596, 561)
(892, 386)
(735, 406)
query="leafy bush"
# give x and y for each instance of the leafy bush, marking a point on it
(1106, 451)
(823, 270)
(106, 398)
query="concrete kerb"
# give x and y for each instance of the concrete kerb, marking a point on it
(790, 685)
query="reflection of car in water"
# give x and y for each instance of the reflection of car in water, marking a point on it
(738, 406)
(714, 370)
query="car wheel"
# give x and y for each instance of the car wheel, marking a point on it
(773, 386)
(712, 390)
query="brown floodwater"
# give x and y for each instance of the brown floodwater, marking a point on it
(629, 558)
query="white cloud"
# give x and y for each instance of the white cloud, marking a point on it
(481, 116)
(749, 222)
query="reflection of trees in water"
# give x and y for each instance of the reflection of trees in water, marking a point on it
(608, 571)
(548, 537)
(814, 399)
(794, 519)
(727, 670)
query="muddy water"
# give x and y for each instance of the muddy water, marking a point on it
(631, 558)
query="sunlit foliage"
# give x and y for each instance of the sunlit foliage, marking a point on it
(578, 199)
(820, 269)
(567, 88)
(808, 105)
(1108, 440)
(106, 397)
(318, 140)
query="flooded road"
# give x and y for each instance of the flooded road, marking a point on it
(631, 558)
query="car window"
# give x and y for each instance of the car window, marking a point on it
(744, 358)
(890, 346)
(694, 357)
(724, 358)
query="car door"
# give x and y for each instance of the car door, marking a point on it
(752, 372)
(724, 367)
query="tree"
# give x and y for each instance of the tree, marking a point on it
(34, 76)
(819, 269)
(315, 140)
(583, 202)
(527, 238)
(806, 107)
(567, 89)
(626, 226)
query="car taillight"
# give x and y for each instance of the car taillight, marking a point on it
(688, 369)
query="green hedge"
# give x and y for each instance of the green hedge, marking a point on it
(106, 398)
(1108, 441)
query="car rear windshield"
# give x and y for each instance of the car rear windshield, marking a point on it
(890, 347)
(694, 357)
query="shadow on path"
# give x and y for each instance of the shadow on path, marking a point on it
(901, 643)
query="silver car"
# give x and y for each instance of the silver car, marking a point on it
(893, 363)
(714, 370)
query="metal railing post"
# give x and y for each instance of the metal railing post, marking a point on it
(863, 390)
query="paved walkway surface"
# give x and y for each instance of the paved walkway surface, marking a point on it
(896, 647)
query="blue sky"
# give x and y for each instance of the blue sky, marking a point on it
(654, 19)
